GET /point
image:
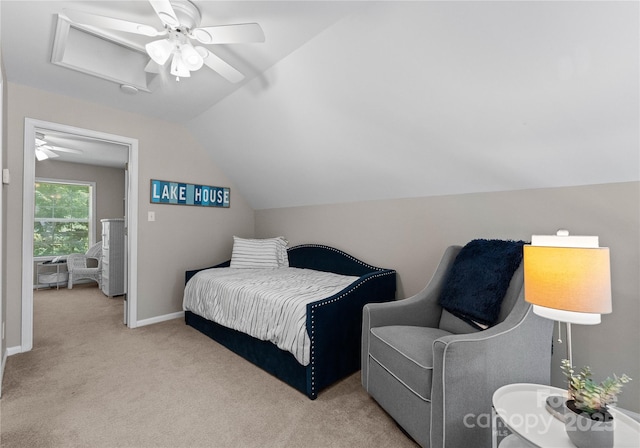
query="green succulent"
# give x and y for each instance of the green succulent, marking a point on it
(589, 396)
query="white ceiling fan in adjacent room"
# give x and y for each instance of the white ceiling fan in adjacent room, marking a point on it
(175, 48)
(45, 150)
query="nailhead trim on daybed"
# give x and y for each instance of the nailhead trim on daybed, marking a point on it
(329, 301)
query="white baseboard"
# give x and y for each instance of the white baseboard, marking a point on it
(7, 352)
(158, 319)
(14, 350)
(4, 362)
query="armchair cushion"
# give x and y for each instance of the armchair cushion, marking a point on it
(407, 352)
(479, 279)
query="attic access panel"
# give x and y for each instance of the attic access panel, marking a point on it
(86, 52)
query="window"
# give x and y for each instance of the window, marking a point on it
(63, 217)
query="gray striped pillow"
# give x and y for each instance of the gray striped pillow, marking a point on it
(259, 253)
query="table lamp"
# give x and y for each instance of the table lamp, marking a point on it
(567, 279)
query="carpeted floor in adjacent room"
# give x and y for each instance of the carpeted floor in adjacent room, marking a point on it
(91, 382)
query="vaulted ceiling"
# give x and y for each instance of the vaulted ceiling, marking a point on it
(349, 101)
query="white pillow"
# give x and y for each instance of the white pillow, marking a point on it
(259, 253)
(283, 258)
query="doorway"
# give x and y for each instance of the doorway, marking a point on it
(31, 128)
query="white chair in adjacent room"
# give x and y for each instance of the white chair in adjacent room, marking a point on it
(86, 266)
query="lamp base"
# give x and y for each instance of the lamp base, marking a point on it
(555, 406)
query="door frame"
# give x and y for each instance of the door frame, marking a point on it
(30, 126)
(3, 297)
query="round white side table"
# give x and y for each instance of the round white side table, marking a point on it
(522, 409)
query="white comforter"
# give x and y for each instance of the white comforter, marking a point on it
(268, 304)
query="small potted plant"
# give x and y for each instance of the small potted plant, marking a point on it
(587, 418)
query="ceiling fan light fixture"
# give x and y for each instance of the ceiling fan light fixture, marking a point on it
(178, 67)
(191, 58)
(181, 19)
(160, 50)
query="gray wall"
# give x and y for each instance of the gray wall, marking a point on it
(410, 235)
(181, 237)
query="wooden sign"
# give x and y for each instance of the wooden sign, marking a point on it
(179, 193)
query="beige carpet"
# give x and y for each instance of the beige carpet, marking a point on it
(91, 382)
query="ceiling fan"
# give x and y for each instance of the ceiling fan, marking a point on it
(181, 20)
(44, 150)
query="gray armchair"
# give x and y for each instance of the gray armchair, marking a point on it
(435, 374)
(87, 265)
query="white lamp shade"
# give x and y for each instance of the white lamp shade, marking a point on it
(571, 317)
(191, 58)
(568, 284)
(160, 50)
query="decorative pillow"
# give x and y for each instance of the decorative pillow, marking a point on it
(479, 279)
(259, 253)
(283, 257)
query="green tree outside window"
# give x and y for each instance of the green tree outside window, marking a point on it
(62, 217)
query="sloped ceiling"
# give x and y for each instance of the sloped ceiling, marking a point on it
(409, 99)
(377, 100)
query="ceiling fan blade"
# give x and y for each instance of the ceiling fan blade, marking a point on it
(229, 34)
(221, 67)
(48, 152)
(69, 150)
(165, 11)
(85, 18)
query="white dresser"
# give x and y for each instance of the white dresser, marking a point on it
(113, 257)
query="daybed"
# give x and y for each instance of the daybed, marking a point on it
(333, 324)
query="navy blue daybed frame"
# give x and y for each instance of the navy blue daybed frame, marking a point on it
(334, 324)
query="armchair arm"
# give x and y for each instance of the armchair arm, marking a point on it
(421, 309)
(76, 261)
(469, 368)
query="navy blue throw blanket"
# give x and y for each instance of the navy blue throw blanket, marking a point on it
(479, 279)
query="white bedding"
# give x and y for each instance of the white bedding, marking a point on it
(268, 304)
